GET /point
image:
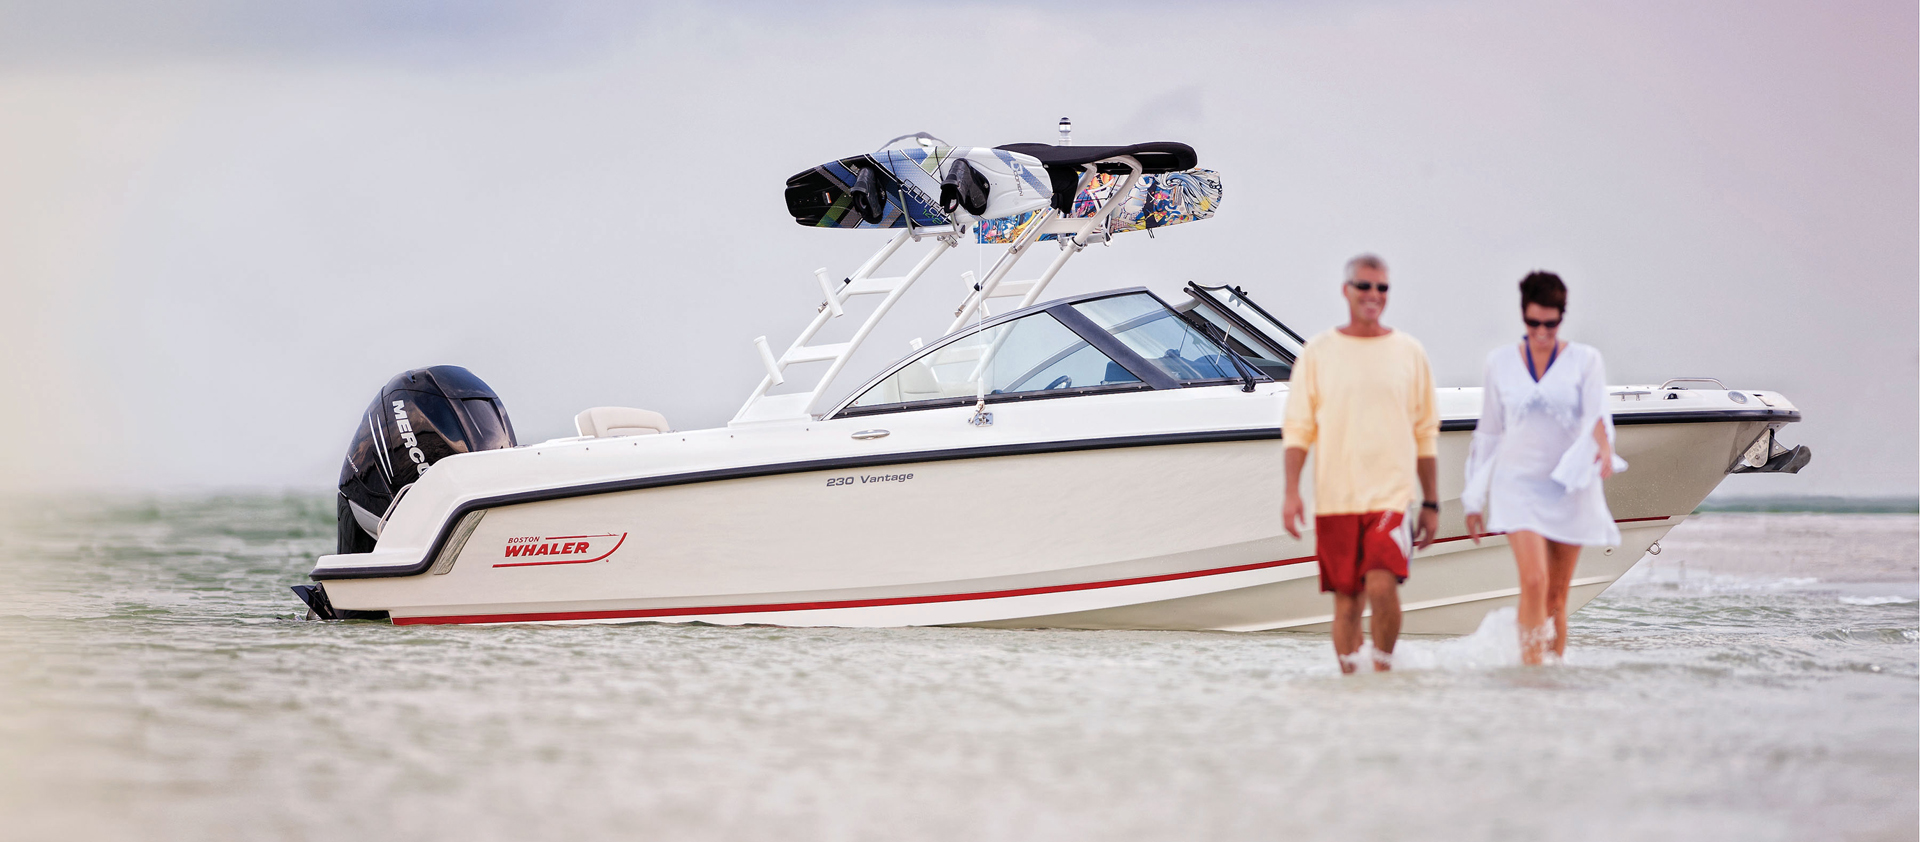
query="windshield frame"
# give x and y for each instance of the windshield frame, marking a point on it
(1205, 296)
(1151, 377)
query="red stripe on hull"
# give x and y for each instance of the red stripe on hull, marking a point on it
(642, 613)
(770, 608)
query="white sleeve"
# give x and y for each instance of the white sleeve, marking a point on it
(1579, 466)
(1486, 442)
(1595, 390)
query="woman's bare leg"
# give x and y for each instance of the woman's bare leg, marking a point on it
(1561, 559)
(1530, 555)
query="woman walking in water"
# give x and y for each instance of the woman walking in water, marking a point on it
(1543, 444)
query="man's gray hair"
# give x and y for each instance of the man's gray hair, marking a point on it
(1371, 261)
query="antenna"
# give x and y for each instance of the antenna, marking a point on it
(1066, 132)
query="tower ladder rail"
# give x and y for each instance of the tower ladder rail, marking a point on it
(760, 406)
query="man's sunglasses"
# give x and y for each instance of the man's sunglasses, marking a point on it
(1537, 323)
(1367, 286)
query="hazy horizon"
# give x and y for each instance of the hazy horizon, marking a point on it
(223, 227)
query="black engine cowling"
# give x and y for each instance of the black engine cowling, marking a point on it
(419, 418)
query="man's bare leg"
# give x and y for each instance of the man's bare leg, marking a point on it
(1383, 595)
(1346, 627)
(1561, 559)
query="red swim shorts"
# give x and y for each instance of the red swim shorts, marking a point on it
(1351, 545)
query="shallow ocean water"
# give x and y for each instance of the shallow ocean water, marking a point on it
(1758, 680)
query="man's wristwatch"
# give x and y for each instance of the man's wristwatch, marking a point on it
(1430, 504)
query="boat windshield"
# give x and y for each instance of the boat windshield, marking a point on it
(1031, 354)
(1161, 336)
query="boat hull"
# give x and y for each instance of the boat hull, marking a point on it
(1161, 536)
(1450, 587)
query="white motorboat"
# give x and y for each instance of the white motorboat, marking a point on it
(1101, 461)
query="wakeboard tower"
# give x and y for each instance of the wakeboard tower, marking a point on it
(1091, 193)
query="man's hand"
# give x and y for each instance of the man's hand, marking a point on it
(1293, 515)
(1476, 526)
(1428, 527)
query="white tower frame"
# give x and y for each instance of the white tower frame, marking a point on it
(1074, 233)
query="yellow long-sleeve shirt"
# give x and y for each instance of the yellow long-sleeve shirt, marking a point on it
(1365, 408)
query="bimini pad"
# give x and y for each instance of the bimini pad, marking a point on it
(1159, 156)
(613, 421)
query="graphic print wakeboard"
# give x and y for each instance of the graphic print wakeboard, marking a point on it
(1155, 202)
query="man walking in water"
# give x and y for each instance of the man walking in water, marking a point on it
(1363, 394)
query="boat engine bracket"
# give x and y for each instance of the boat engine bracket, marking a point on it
(321, 608)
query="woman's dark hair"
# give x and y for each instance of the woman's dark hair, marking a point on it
(1544, 289)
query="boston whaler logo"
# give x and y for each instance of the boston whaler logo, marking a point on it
(560, 549)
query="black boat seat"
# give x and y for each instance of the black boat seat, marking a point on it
(614, 421)
(1064, 163)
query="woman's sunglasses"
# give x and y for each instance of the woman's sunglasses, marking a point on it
(1537, 323)
(1368, 286)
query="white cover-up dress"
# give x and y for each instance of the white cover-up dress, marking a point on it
(1532, 465)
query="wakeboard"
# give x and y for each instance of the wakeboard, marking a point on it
(1156, 201)
(918, 181)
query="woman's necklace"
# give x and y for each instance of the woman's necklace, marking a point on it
(1528, 346)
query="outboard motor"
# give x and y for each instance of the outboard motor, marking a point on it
(420, 417)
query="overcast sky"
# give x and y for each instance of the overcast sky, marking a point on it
(223, 225)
